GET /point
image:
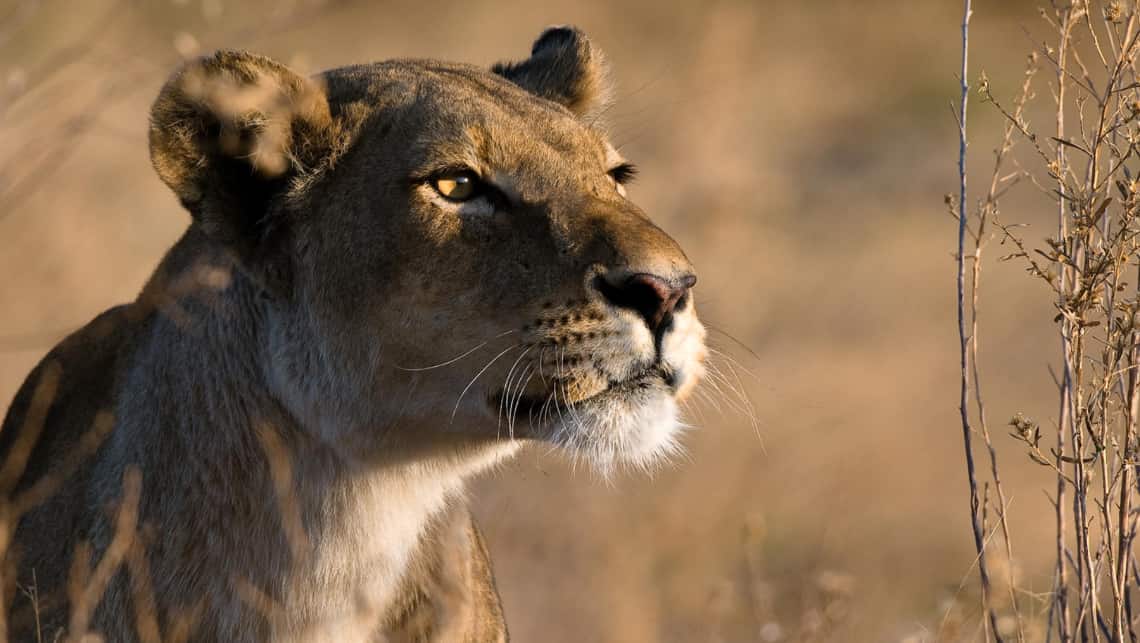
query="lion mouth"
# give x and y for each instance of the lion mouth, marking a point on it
(643, 379)
(556, 400)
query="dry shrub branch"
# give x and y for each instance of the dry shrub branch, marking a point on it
(1085, 166)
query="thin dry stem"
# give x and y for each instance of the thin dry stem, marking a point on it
(1091, 266)
(963, 338)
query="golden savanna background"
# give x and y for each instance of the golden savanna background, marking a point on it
(799, 152)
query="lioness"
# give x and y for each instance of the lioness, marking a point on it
(395, 274)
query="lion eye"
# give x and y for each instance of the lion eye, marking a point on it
(624, 173)
(462, 186)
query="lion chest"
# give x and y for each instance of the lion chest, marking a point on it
(359, 558)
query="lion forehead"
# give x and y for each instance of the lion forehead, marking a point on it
(441, 113)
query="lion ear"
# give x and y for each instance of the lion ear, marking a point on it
(565, 68)
(229, 132)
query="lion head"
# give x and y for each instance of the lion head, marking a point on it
(444, 254)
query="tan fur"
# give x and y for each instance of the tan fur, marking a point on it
(333, 347)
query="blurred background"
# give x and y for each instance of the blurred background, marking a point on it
(799, 151)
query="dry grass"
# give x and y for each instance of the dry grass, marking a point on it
(793, 149)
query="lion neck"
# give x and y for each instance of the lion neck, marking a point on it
(232, 476)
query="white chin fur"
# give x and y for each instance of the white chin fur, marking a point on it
(640, 433)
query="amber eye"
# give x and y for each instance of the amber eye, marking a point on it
(624, 173)
(458, 186)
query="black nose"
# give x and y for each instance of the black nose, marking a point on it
(653, 297)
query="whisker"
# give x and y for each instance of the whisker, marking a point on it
(735, 361)
(561, 418)
(519, 397)
(689, 408)
(481, 371)
(560, 437)
(543, 414)
(506, 389)
(742, 403)
(734, 340)
(569, 404)
(746, 401)
(714, 379)
(454, 359)
(739, 402)
(509, 398)
(705, 397)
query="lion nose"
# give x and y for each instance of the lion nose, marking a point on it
(651, 296)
